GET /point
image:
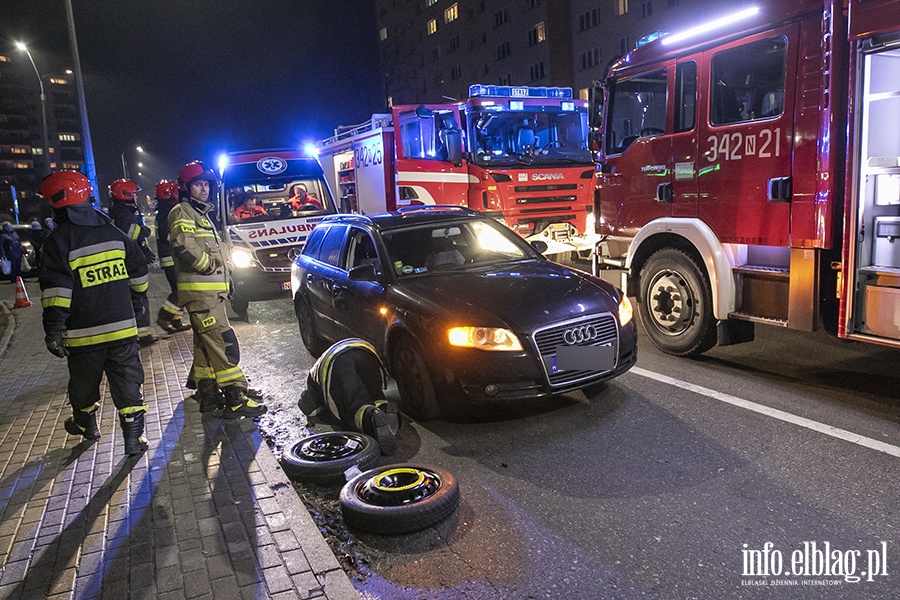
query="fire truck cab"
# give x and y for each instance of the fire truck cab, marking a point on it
(265, 240)
(517, 153)
(728, 190)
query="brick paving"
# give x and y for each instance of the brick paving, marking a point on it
(206, 512)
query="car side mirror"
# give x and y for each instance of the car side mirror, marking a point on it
(363, 273)
(539, 245)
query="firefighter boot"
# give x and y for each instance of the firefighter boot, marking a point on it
(239, 405)
(375, 422)
(132, 431)
(209, 396)
(392, 411)
(83, 424)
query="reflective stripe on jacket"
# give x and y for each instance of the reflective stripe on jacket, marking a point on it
(196, 249)
(321, 370)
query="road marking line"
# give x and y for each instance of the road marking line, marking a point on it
(841, 434)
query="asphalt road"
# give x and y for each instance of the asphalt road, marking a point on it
(663, 485)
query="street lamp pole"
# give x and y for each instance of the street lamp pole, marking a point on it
(25, 49)
(89, 164)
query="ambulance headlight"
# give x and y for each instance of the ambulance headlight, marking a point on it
(241, 258)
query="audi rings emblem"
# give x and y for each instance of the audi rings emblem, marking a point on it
(293, 253)
(580, 334)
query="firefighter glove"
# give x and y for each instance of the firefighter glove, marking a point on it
(54, 343)
(148, 253)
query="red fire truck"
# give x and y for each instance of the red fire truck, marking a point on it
(749, 172)
(517, 153)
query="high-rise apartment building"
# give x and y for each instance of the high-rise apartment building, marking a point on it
(432, 49)
(23, 163)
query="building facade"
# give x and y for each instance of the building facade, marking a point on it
(431, 50)
(23, 161)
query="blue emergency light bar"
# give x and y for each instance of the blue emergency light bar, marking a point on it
(510, 91)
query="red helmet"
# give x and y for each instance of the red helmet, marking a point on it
(65, 188)
(194, 171)
(167, 190)
(123, 190)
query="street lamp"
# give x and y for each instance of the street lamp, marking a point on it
(24, 49)
(124, 169)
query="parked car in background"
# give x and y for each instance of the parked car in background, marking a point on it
(29, 247)
(460, 308)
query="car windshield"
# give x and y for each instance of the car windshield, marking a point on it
(453, 245)
(274, 199)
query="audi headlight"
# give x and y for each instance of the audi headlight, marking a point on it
(484, 338)
(626, 312)
(242, 258)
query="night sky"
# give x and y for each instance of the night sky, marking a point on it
(187, 79)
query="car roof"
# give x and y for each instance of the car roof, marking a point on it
(408, 215)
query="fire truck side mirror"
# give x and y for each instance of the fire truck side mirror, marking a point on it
(453, 139)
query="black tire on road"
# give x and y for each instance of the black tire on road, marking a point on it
(312, 341)
(397, 499)
(417, 396)
(676, 304)
(323, 458)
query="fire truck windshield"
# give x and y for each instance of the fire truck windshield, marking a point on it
(538, 135)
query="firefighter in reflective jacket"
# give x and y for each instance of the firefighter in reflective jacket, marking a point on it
(125, 214)
(93, 278)
(169, 316)
(202, 268)
(349, 379)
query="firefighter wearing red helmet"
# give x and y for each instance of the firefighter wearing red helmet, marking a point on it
(93, 279)
(169, 315)
(203, 268)
(127, 216)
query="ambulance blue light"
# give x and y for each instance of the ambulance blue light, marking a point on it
(311, 150)
(508, 91)
(222, 162)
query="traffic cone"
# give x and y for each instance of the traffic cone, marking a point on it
(22, 300)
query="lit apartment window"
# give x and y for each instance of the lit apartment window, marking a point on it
(4, 58)
(22, 165)
(430, 2)
(646, 9)
(19, 150)
(621, 7)
(584, 94)
(536, 35)
(432, 26)
(390, 101)
(59, 81)
(451, 14)
(382, 34)
(37, 151)
(73, 166)
(537, 71)
(68, 137)
(502, 50)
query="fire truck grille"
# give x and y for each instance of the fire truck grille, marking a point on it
(549, 209)
(275, 259)
(543, 199)
(603, 331)
(545, 188)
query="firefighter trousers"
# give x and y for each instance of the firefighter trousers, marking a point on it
(216, 350)
(124, 372)
(170, 309)
(354, 382)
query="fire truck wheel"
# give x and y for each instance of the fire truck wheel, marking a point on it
(314, 344)
(323, 458)
(417, 396)
(400, 498)
(676, 304)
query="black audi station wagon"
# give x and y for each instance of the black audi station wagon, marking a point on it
(460, 308)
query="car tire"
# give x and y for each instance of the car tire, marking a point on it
(323, 458)
(241, 308)
(417, 396)
(312, 341)
(676, 304)
(398, 499)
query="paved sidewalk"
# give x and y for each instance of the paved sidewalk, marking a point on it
(206, 512)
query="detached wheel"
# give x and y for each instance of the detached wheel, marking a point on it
(323, 458)
(399, 498)
(676, 304)
(417, 396)
(312, 341)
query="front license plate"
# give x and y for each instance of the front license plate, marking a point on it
(583, 358)
(286, 285)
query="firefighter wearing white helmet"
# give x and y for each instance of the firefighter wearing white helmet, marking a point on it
(202, 267)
